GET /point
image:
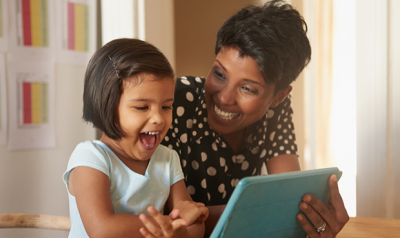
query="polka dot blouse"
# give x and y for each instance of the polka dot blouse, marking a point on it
(211, 168)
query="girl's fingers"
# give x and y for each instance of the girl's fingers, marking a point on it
(150, 226)
(204, 213)
(163, 222)
(174, 214)
(178, 223)
(146, 233)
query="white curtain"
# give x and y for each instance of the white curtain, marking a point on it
(352, 100)
(378, 110)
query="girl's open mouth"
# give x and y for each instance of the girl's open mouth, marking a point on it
(149, 139)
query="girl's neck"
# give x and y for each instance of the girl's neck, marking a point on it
(137, 166)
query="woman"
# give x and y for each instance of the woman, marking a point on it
(227, 126)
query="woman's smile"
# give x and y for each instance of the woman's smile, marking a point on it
(224, 114)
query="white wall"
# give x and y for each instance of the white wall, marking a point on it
(30, 180)
(149, 20)
(159, 26)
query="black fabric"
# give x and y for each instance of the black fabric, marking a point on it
(211, 168)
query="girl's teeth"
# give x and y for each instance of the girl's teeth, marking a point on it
(152, 133)
(225, 115)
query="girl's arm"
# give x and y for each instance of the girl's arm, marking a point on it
(91, 189)
(185, 212)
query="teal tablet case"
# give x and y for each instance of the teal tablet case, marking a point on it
(266, 206)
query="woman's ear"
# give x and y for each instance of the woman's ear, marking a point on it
(280, 96)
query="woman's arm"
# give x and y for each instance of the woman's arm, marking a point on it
(283, 163)
(215, 212)
(91, 189)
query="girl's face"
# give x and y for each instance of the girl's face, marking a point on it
(145, 115)
(236, 93)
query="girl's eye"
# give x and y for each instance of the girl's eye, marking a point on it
(141, 108)
(247, 89)
(167, 107)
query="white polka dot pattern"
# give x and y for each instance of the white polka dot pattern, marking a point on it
(212, 170)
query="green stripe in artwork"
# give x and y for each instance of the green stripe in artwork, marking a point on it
(45, 103)
(45, 22)
(0, 93)
(86, 28)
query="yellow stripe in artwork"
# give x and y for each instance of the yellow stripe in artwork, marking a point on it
(36, 96)
(36, 23)
(79, 27)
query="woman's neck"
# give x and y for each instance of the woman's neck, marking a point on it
(235, 139)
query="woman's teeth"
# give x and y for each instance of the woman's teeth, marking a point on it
(225, 115)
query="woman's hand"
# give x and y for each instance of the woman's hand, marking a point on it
(190, 211)
(163, 226)
(330, 218)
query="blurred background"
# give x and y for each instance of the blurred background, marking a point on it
(344, 102)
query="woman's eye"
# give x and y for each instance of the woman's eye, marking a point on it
(247, 89)
(219, 75)
(141, 108)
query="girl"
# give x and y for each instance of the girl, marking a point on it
(112, 182)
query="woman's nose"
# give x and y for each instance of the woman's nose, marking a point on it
(226, 95)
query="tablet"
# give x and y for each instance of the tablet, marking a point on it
(267, 205)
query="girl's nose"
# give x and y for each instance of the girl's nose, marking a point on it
(157, 117)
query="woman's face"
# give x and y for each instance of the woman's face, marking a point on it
(236, 93)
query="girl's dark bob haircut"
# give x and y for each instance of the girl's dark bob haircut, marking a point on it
(117, 61)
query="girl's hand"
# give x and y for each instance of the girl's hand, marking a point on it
(190, 211)
(330, 218)
(162, 226)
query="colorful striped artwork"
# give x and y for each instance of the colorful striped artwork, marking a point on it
(1, 19)
(78, 27)
(35, 107)
(0, 100)
(35, 25)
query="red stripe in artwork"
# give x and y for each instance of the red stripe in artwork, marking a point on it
(27, 105)
(26, 22)
(71, 26)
